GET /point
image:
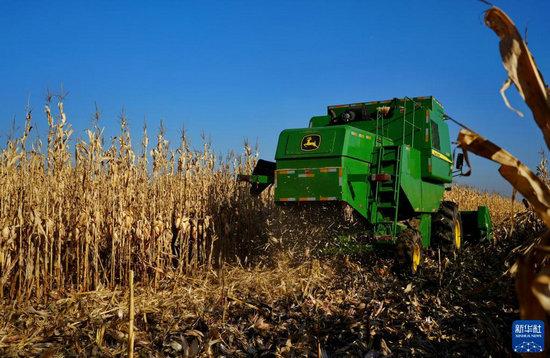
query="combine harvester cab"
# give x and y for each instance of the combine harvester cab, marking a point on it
(389, 160)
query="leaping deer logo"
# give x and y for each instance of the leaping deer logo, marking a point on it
(311, 142)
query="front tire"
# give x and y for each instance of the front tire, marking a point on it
(410, 250)
(447, 228)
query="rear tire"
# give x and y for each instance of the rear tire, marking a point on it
(447, 228)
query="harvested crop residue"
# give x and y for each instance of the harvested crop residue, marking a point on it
(331, 306)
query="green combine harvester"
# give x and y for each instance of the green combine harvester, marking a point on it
(391, 161)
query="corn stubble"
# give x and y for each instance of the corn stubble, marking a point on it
(81, 221)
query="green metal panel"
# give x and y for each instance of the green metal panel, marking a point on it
(346, 181)
(355, 184)
(330, 142)
(484, 219)
(424, 197)
(307, 162)
(425, 228)
(411, 177)
(337, 169)
(432, 195)
(319, 121)
(308, 184)
(477, 224)
(333, 141)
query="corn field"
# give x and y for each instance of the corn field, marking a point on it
(76, 215)
(80, 217)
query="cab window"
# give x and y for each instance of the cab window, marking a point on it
(435, 136)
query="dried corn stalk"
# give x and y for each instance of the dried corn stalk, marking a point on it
(83, 221)
(532, 282)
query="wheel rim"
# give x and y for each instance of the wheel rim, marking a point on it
(415, 257)
(457, 235)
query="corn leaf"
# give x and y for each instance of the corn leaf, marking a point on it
(522, 69)
(513, 170)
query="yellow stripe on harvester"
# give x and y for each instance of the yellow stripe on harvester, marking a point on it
(441, 156)
(285, 171)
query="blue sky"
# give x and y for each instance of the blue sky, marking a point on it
(239, 69)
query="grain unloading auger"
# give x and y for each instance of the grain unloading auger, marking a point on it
(391, 161)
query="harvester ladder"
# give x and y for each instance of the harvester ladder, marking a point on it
(387, 194)
(390, 190)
